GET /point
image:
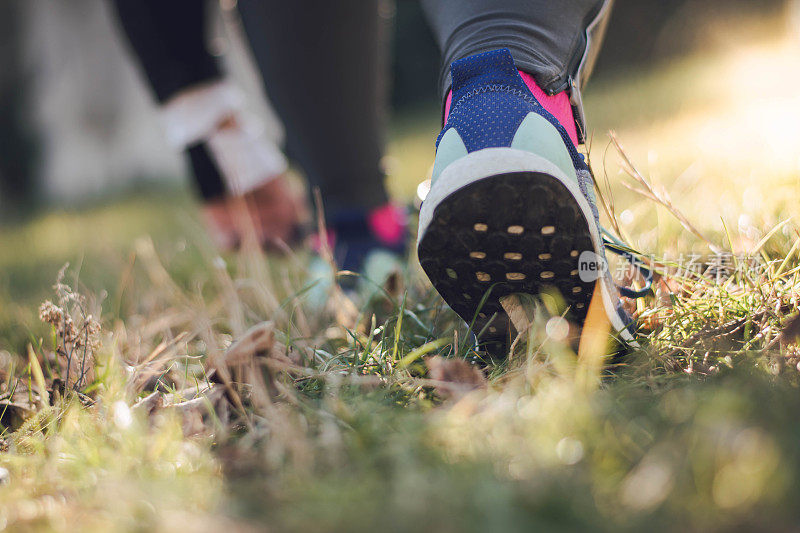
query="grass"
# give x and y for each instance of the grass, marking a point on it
(215, 395)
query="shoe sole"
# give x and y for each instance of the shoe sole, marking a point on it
(510, 221)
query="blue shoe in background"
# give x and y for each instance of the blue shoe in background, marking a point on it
(371, 245)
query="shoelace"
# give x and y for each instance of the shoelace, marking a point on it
(618, 247)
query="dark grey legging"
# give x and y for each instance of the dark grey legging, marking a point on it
(556, 41)
(168, 38)
(324, 65)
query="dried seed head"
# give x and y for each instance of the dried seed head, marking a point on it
(50, 313)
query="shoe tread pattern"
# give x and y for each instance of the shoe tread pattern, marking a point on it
(519, 232)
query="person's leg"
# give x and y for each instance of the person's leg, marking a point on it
(511, 207)
(168, 39)
(324, 67)
(555, 42)
(202, 114)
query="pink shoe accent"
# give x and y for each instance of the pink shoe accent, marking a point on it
(447, 103)
(388, 223)
(558, 105)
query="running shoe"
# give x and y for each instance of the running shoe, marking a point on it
(511, 208)
(370, 246)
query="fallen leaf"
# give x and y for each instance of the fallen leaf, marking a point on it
(791, 331)
(454, 377)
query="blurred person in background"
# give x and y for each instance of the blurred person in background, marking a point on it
(327, 83)
(511, 207)
(202, 114)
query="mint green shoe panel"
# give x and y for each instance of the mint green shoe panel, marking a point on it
(379, 266)
(538, 136)
(450, 149)
(320, 282)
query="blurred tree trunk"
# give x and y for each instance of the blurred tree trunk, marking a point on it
(17, 146)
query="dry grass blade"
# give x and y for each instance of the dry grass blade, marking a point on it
(256, 359)
(606, 198)
(160, 358)
(38, 377)
(256, 341)
(346, 312)
(521, 309)
(146, 252)
(649, 192)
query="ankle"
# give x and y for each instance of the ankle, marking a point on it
(385, 225)
(357, 232)
(557, 105)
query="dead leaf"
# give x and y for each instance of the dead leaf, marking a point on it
(191, 404)
(254, 361)
(454, 377)
(14, 413)
(149, 404)
(791, 332)
(521, 309)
